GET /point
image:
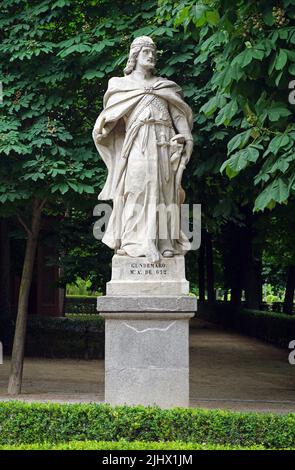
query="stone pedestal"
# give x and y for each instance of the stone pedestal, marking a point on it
(147, 310)
(137, 276)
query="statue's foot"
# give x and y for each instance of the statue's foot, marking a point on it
(121, 252)
(168, 254)
(153, 255)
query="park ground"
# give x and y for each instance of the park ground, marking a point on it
(227, 371)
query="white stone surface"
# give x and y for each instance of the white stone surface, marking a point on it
(126, 288)
(139, 277)
(166, 388)
(144, 136)
(139, 268)
(147, 356)
(147, 362)
(150, 304)
(146, 344)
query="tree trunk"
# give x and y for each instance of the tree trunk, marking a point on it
(235, 295)
(4, 269)
(201, 271)
(235, 264)
(290, 288)
(252, 270)
(17, 359)
(210, 268)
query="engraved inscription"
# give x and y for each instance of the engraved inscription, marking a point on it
(148, 269)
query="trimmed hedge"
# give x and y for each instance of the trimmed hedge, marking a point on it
(275, 328)
(73, 336)
(80, 304)
(124, 445)
(30, 423)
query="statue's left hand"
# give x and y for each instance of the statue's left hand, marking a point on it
(99, 135)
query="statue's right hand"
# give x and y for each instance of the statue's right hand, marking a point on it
(178, 138)
(176, 143)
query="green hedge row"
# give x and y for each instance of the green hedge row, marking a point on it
(81, 304)
(125, 445)
(23, 423)
(73, 336)
(83, 298)
(275, 328)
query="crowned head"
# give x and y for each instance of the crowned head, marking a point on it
(142, 54)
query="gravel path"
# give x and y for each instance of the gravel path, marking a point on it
(227, 371)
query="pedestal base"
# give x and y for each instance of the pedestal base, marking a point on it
(147, 349)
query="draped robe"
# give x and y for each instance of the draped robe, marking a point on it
(132, 135)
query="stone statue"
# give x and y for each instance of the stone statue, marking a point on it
(144, 137)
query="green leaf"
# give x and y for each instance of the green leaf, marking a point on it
(277, 111)
(281, 60)
(268, 18)
(276, 192)
(212, 17)
(61, 187)
(272, 63)
(253, 153)
(168, 70)
(80, 48)
(239, 161)
(182, 15)
(93, 73)
(234, 165)
(239, 140)
(180, 58)
(244, 58)
(291, 55)
(278, 142)
(226, 114)
(292, 38)
(61, 4)
(258, 54)
(199, 14)
(72, 185)
(282, 164)
(211, 106)
(225, 78)
(88, 189)
(278, 78)
(283, 33)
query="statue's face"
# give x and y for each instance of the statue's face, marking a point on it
(146, 58)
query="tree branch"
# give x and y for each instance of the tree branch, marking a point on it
(42, 203)
(21, 221)
(38, 204)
